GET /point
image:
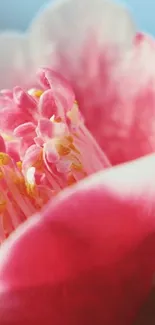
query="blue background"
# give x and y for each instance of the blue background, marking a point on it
(18, 13)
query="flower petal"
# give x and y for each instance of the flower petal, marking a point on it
(11, 117)
(114, 87)
(109, 22)
(90, 257)
(12, 149)
(15, 59)
(89, 51)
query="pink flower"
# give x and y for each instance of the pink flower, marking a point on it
(87, 254)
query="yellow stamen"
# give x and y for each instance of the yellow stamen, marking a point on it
(35, 92)
(72, 147)
(19, 165)
(73, 114)
(77, 167)
(39, 163)
(4, 159)
(38, 93)
(62, 150)
(2, 206)
(20, 182)
(31, 190)
(58, 120)
(71, 180)
(70, 138)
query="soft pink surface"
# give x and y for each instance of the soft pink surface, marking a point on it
(89, 258)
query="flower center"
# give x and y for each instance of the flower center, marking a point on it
(54, 148)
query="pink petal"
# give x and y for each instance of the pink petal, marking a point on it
(100, 17)
(12, 148)
(90, 257)
(51, 153)
(11, 117)
(23, 99)
(25, 129)
(47, 105)
(31, 156)
(7, 93)
(60, 95)
(39, 141)
(45, 128)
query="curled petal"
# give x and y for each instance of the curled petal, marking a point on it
(61, 93)
(51, 153)
(89, 258)
(23, 100)
(11, 117)
(45, 128)
(24, 129)
(31, 157)
(7, 93)
(47, 105)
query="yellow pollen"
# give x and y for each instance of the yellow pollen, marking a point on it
(70, 138)
(20, 182)
(31, 190)
(71, 180)
(19, 165)
(35, 92)
(2, 206)
(77, 167)
(39, 163)
(73, 114)
(38, 93)
(4, 159)
(62, 150)
(58, 120)
(72, 147)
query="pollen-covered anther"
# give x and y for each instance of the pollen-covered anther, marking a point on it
(39, 164)
(35, 92)
(4, 159)
(63, 150)
(2, 205)
(19, 165)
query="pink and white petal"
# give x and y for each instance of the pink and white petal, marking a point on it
(45, 128)
(133, 128)
(65, 25)
(31, 157)
(114, 87)
(16, 66)
(96, 36)
(25, 129)
(89, 258)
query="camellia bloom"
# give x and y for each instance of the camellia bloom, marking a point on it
(86, 254)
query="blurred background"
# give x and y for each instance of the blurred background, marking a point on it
(17, 14)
